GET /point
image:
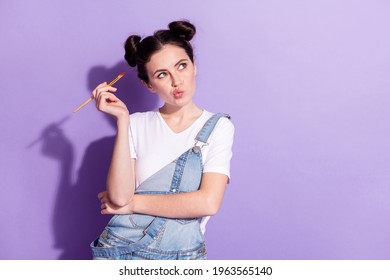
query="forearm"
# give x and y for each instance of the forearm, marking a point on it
(120, 179)
(203, 202)
(183, 205)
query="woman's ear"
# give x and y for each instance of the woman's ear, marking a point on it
(148, 86)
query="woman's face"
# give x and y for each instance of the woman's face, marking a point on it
(172, 76)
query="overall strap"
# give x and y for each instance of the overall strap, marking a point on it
(179, 169)
(208, 127)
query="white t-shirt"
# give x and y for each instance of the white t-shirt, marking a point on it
(155, 145)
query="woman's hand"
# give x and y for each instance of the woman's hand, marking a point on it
(108, 103)
(109, 208)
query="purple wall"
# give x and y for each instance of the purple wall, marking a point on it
(306, 82)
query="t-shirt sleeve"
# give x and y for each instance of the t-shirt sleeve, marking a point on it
(132, 137)
(220, 148)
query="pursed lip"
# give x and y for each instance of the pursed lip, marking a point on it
(177, 91)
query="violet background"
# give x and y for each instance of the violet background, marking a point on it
(306, 83)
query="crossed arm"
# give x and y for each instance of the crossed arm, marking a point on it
(204, 202)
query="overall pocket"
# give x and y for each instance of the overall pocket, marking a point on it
(140, 221)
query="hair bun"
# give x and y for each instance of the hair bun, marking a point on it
(183, 29)
(131, 46)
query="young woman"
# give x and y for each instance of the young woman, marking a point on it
(170, 167)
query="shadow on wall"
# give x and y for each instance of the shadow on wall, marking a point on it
(77, 220)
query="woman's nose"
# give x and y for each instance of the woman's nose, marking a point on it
(176, 80)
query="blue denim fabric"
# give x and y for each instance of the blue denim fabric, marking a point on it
(138, 236)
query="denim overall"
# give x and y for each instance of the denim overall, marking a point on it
(140, 237)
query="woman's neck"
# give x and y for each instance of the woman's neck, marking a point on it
(180, 113)
(182, 118)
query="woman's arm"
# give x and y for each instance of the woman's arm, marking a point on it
(204, 202)
(121, 178)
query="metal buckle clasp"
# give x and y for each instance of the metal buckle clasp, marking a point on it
(197, 148)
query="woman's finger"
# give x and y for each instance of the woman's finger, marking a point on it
(96, 89)
(101, 194)
(106, 211)
(105, 98)
(101, 89)
(103, 197)
(105, 89)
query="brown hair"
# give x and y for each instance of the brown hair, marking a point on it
(138, 52)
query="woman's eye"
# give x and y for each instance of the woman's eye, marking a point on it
(161, 75)
(182, 65)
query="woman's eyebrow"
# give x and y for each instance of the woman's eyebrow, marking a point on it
(180, 61)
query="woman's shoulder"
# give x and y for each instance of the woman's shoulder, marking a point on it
(224, 121)
(224, 127)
